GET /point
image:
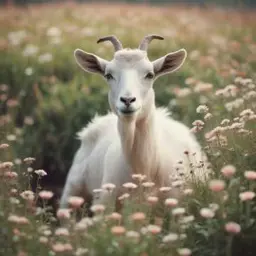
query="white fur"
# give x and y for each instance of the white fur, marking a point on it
(150, 142)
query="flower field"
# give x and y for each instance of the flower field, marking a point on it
(45, 98)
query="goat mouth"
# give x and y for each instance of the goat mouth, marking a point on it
(127, 112)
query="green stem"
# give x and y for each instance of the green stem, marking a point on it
(229, 245)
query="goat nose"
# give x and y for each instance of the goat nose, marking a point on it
(127, 100)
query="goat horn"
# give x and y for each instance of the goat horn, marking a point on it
(147, 39)
(113, 39)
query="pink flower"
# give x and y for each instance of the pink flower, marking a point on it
(118, 230)
(62, 232)
(152, 199)
(75, 201)
(228, 170)
(250, 175)
(98, 208)
(138, 216)
(247, 195)
(11, 175)
(63, 213)
(4, 146)
(114, 216)
(44, 194)
(171, 202)
(28, 195)
(207, 213)
(233, 227)
(217, 185)
(153, 229)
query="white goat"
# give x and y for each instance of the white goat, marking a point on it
(137, 138)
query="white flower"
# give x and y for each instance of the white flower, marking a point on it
(53, 31)
(28, 71)
(170, 238)
(40, 172)
(30, 50)
(43, 58)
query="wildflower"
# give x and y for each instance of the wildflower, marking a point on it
(44, 194)
(30, 50)
(198, 123)
(98, 208)
(208, 116)
(61, 232)
(123, 196)
(138, 216)
(165, 189)
(4, 146)
(171, 237)
(28, 71)
(217, 185)
(228, 170)
(7, 165)
(207, 213)
(23, 220)
(250, 175)
(40, 173)
(148, 184)
(187, 219)
(43, 240)
(130, 185)
(114, 216)
(133, 234)
(63, 213)
(109, 187)
(118, 230)
(178, 211)
(247, 195)
(139, 177)
(232, 227)
(214, 207)
(183, 236)
(202, 109)
(177, 183)
(75, 201)
(184, 252)
(17, 161)
(171, 202)
(29, 160)
(11, 175)
(14, 200)
(225, 122)
(46, 57)
(152, 199)
(153, 229)
(58, 247)
(13, 218)
(29, 169)
(188, 191)
(81, 251)
(28, 195)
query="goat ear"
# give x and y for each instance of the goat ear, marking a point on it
(90, 62)
(170, 62)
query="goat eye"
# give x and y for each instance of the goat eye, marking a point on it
(108, 76)
(149, 75)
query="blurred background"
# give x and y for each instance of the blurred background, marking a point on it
(247, 3)
(45, 98)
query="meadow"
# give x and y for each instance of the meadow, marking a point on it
(45, 98)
